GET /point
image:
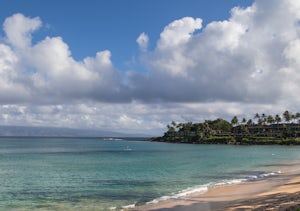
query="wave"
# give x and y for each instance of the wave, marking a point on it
(201, 189)
(262, 176)
(130, 206)
(122, 208)
(198, 189)
(113, 139)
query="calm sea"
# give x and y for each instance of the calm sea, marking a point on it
(107, 173)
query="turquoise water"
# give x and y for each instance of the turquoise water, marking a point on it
(102, 174)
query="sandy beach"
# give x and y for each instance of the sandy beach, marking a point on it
(281, 192)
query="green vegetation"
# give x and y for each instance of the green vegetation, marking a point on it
(265, 130)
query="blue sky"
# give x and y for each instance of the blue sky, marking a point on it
(136, 65)
(94, 25)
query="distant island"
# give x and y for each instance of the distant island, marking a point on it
(265, 130)
(35, 131)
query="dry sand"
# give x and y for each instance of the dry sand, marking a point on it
(275, 193)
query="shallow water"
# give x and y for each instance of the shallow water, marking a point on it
(101, 174)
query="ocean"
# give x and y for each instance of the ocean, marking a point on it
(112, 174)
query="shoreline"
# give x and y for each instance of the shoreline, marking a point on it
(232, 140)
(271, 193)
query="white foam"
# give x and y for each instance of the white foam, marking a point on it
(129, 206)
(113, 139)
(270, 174)
(198, 189)
(204, 188)
(261, 176)
(230, 182)
(189, 191)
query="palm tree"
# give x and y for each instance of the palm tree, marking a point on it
(270, 119)
(250, 122)
(287, 116)
(261, 121)
(173, 123)
(179, 126)
(171, 131)
(244, 121)
(234, 120)
(264, 119)
(277, 119)
(257, 116)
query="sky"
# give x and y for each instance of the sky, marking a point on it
(136, 65)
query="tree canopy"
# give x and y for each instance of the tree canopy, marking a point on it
(222, 131)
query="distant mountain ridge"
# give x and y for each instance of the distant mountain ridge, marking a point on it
(19, 131)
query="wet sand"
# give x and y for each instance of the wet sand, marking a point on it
(280, 192)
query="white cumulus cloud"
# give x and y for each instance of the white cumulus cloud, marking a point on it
(245, 64)
(143, 41)
(18, 30)
(178, 32)
(47, 72)
(248, 58)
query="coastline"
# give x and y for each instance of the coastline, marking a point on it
(278, 192)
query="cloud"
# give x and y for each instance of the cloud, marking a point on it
(131, 117)
(251, 57)
(18, 30)
(143, 41)
(245, 64)
(178, 32)
(47, 73)
(246, 58)
(12, 89)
